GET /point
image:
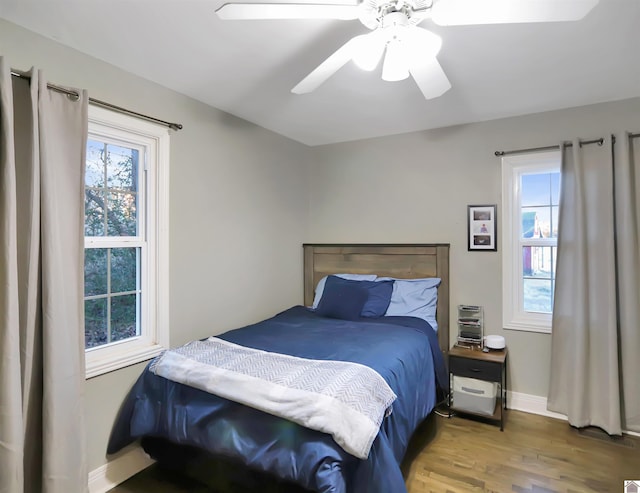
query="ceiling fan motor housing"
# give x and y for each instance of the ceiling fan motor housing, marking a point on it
(375, 13)
(395, 19)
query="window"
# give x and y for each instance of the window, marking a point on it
(126, 241)
(531, 195)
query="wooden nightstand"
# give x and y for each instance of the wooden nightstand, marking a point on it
(488, 367)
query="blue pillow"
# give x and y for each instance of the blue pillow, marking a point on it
(379, 298)
(355, 277)
(378, 294)
(344, 301)
(415, 298)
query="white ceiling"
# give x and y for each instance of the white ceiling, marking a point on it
(247, 68)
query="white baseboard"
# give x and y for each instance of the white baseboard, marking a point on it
(536, 404)
(118, 470)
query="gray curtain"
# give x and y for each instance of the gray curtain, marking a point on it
(595, 368)
(42, 146)
(627, 186)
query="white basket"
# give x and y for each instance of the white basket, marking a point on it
(475, 396)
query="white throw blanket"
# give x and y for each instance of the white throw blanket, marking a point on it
(346, 400)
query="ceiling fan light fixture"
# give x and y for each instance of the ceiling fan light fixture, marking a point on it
(369, 51)
(395, 67)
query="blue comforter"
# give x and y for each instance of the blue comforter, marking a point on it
(403, 350)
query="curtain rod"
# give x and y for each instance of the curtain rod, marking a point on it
(599, 141)
(97, 102)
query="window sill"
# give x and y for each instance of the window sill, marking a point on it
(527, 327)
(104, 361)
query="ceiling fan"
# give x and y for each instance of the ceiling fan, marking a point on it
(407, 48)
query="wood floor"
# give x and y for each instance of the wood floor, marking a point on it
(534, 454)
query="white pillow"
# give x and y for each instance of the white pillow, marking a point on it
(351, 277)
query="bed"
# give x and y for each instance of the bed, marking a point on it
(183, 425)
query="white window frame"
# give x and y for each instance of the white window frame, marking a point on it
(513, 314)
(154, 228)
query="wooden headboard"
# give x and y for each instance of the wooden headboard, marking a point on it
(404, 261)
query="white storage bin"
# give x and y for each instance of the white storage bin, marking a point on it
(475, 396)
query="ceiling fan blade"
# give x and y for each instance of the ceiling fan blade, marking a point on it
(329, 67)
(423, 43)
(466, 12)
(430, 77)
(245, 11)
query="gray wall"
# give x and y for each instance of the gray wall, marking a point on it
(416, 188)
(238, 210)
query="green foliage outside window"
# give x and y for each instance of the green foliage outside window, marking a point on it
(112, 280)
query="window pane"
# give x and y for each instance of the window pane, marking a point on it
(539, 222)
(555, 188)
(124, 317)
(94, 175)
(93, 212)
(529, 222)
(536, 222)
(536, 189)
(122, 215)
(122, 168)
(554, 222)
(538, 262)
(95, 271)
(124, 268)
(537, 295)
(95, 323)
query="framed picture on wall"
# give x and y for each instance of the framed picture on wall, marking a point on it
(482, 228)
